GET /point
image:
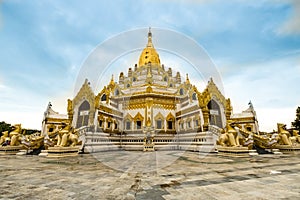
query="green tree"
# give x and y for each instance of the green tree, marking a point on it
(31, 131)
(296, 123)
(4, 127)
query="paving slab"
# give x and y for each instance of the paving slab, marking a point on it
(189, 176)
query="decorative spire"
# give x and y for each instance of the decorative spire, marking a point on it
(187, 79)
(149, 54)
(250, 105)
(112, 82)
(150, 38)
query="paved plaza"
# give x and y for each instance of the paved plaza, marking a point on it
(189, 175)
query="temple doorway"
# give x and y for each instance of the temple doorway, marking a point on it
(215, 117)
(83, 114)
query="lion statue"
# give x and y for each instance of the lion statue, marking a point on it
(295, 139)
(68, 136)
(15, 135)
(4, 137)
(283, 137)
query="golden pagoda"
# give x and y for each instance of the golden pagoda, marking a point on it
(150, 98)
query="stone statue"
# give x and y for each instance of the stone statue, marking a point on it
(283, 135)
(60, 134)
(4, 137)
(249, 141)
(227, 138)
(15, 135)
(33, 141)
(295, 139)
(230, 137)
(68, 136)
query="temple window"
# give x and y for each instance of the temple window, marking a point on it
(194, 97)
(138, 124)
(117, 92)
(116, 126)
(170, 124)
(159, 124)
(197, 122)
(128, 125)
(181, 91)
(165, 78)
(50, 129)
(128, 85)
(249, 128)
(171, 85)
(103, 98)
(181, 126)
(189, 124)
(108, 124)
(101, 123)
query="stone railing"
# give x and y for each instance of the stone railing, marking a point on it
(214, 129)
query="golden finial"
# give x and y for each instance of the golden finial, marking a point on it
(149, 54)
(112, 82)
(187, 79)
(150, 38)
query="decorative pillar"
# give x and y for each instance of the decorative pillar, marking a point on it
(205, 112)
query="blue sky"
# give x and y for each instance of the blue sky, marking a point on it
(254, 44)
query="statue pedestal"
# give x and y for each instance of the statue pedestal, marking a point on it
(59, 152)
(288, 148)
(149, 147)
(23, 152)
(149, 138)
(44, 153)
(10, 150)
(236, 151)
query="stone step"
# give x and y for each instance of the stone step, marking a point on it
(253, 153)
(276, 152)
(24, 152)
(44, 153)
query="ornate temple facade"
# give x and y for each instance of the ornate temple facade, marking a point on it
(149, 107)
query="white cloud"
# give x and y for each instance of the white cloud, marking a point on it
(29, 120)
(270, 85)
(2, 87)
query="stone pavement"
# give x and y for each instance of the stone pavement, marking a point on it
(191, 176)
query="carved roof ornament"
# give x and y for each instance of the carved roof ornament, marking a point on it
(148, 124)
(187, 79)
(112, 82)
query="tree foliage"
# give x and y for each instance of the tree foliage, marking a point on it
(296, 123)
(31, 131)
(5, 127)
(8, 127)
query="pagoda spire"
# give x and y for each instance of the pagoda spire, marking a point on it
(150, 44)
(112, 82)
(187, 79)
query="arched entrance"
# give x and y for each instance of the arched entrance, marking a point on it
(83, 114)
(215, 117)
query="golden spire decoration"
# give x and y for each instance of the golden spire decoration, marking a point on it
(150, 44)
(187, 79)
(112, 82)
(149, 54)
